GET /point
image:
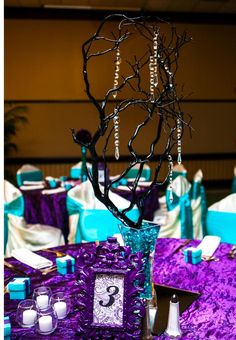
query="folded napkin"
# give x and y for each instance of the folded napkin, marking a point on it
(31, 187)
(53, 191)
(33, 182)
(31, 259)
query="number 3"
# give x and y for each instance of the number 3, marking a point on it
(111, 297)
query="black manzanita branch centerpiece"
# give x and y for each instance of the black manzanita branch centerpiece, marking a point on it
(156, 99)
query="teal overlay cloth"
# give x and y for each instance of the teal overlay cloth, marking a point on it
(146, 173)
(222, 224)
(95, 224)
(233, 189)
(15, 207)
(186, 218)
(75, 173)
(179, 173)
(36, 175)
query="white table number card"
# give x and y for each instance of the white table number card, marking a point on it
(108, 299)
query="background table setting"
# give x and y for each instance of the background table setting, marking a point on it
(211, 316)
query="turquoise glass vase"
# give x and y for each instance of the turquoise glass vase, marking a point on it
(142, 240)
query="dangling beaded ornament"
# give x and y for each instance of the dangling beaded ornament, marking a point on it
(117, 69)
(116, 134)
(155, 83)
(153, 68)
(170, 178)
(179, 146)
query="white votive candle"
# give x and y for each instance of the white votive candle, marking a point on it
(42, 301)
(61, 309)
(29, 317)
(45, 323)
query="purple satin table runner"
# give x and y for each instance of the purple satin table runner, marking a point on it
(151, 203)
(212, 316)
(46, 209)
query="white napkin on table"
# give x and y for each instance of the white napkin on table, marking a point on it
(53, 191)
(34, 183)
(31, 259)
(31, 187)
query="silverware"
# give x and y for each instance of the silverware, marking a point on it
(48, 270)
(58, 253)
(181, 246)
(13, 268)
(231, 254)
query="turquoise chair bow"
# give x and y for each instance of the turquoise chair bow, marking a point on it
(95, 224)
(15, 207)
(186, 218)
(36, 175)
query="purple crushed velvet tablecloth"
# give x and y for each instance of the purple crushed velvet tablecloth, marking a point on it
(212, 316)
(151, 202)
(48, 209)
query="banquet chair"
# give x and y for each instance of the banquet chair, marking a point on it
(179, 170)
(89, 219)
(28, 172)
(221, 219)
(183, 213)
(17, 233)
(75, 171)
(146, 172)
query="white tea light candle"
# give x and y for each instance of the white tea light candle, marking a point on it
(45, 323)
(61, 309)
(42, 301)
(29, 317)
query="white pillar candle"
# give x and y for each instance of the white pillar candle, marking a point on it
(45, 323)
(42, 301)
(61, 309)
(29, 317)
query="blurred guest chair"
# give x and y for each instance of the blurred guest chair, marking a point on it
(75, 171)
(90, 220)
(22, 235)
(221, 219)
(199, 206)
(28, 172)
(179, 170)
(233, 189)
(146, 172)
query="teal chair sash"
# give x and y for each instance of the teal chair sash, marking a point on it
(186, 219)
(36, 175)
(15, 207)
(95, 224)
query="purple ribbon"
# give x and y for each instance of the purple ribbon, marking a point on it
(27, 288)
(69, 266)
(189, 256)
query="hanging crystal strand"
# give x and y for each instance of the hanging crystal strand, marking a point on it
(116, 134)
(170, 178)
(179, 146)
(117, 69)
(155, 83)
(170, 74)
(151, 68)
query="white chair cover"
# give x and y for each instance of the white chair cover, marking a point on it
(22, 235)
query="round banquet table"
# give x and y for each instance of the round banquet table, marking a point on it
(212, 316)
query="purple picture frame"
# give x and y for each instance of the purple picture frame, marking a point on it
(112, 260)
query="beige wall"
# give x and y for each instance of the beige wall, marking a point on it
(43, 61)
